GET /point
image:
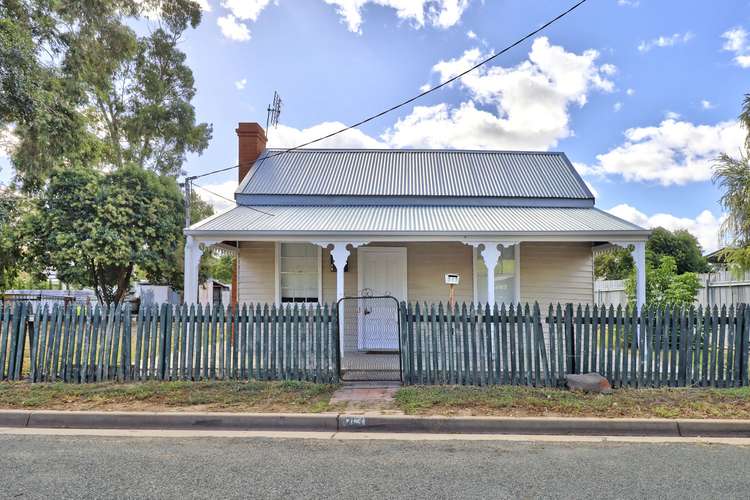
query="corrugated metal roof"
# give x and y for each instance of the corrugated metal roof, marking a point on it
(352, 172)
(413, 219)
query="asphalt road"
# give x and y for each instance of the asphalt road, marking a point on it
(116, 467)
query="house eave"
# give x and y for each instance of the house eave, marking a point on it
(603, 236)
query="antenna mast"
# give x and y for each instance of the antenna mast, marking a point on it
(273, 112)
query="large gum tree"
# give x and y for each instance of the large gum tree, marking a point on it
(97, 92)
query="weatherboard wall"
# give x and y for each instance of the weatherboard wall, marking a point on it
(550, 272)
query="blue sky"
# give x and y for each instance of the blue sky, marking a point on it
(640, 94)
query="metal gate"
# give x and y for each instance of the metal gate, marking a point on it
(370, 338)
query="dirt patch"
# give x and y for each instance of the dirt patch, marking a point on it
(363, 399)
(539, 402)
(253, 396)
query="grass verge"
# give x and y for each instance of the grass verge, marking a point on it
(514, 401)
(253, 396)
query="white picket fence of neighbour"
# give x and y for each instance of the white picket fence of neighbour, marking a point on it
(721, 288)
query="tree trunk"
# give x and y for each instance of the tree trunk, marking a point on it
(123, 284)
(108, 292)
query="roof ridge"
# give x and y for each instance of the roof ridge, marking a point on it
(405, 150)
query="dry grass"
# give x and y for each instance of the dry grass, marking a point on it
(539, 402)
(253, 396)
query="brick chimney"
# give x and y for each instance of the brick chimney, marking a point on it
(252, 141)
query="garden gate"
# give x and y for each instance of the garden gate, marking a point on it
(370, 338)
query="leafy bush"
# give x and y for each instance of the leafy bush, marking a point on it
(664, 286)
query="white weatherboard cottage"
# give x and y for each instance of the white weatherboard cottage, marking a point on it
(317, 225)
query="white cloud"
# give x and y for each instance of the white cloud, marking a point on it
(528, 103)
(674, 152)
(608, 69)
(736, 39)
(471, 35)
(233, 29)
(665, 41)
(705, 226)
(630, 92)
(438, 13)
(706, 104)
(628, 3)
(617, 106)
(737, 42)
(247, 10)
(217, 194)
(286, 137)
(240, 84)
(520, 107)
(204, 5)
(425, 87)
(672, 115)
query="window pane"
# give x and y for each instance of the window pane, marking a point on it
(504, 277)
(298, 268)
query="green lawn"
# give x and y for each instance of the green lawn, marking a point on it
(253, 396)
(540, 402)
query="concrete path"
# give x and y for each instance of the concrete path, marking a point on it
(185, 468)
(367, 397)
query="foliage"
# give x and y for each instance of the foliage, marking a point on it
(220, 268)
(234, 396)
(745, 118)
(10, 210)
(614, 265)
(515, 401)
(81, 87)
(682, 246)
(95, 227)
(664, 285)
(732, 175)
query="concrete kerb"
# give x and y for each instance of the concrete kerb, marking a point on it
(374, 423)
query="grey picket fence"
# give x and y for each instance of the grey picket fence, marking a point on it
(83, 344)
(476, 345)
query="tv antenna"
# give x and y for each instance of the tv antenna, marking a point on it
(274, 110)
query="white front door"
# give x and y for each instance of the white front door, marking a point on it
(381, 271)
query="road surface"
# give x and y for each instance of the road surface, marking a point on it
(35, 466)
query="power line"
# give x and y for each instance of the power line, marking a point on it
(211, 192)
(229, 199)
(414, 98)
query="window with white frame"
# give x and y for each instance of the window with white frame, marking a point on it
(505, 277)
(299, 272)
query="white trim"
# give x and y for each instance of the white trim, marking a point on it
(516, 245)
(277, 271)
(517, 277)
(474, 271)
(339, 237)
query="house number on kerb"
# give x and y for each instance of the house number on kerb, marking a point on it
(354, 421)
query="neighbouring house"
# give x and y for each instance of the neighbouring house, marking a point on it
(149, 294)
(318, 225)
(214, 292)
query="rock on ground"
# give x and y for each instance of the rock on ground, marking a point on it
(588, 382)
